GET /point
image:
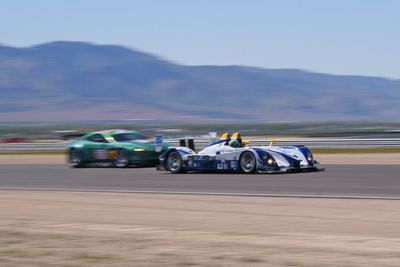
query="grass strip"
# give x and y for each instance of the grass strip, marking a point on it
(356, 150)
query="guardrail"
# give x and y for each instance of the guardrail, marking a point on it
(201, 143)
(35, 146)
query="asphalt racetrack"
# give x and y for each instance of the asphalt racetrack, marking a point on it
(370, 181)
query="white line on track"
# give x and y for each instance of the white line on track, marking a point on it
(200, 193)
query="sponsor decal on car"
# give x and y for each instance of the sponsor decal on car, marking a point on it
(112, 154)
(159, 143)
(100, 154)
(234, 164)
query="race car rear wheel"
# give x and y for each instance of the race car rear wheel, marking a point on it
(174, 162)
(74, 158)
(247, 162)
(121, 160)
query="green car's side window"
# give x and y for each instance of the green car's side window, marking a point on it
(98, 138)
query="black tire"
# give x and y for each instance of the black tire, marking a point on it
(175, 162)
(74, 158)
(248, 162)
(121, 160)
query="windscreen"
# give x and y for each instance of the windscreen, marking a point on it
(123, 137)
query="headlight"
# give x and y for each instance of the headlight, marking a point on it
(268, 159)
(310, 157)
(138, 149)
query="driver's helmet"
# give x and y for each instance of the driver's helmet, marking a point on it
(234, 143)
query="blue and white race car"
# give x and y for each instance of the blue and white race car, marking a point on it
(231, 155)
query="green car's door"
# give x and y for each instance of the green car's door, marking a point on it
(96, 148)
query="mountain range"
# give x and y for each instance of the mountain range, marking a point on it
(77, 81)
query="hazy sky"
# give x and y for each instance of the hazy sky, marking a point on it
(341, 37)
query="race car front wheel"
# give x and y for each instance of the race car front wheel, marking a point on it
(174, 162)
(74, 158)
(121, 160)
(248, 162)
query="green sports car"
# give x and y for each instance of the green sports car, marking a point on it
(122, 148)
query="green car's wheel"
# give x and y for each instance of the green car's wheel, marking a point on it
(248, 162)
(121, 160)
(74, 158)
(174, 162)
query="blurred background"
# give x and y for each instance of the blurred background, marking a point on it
(269, 68)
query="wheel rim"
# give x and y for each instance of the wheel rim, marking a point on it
(121, 160)
(247, 162)
(74, 158)
(174, 161)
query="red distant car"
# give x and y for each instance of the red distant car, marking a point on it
(12, 140)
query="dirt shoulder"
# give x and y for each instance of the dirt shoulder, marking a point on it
(375, 158)
(104, 229)
(33, 159)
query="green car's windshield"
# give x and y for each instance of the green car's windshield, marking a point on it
(124, 137)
